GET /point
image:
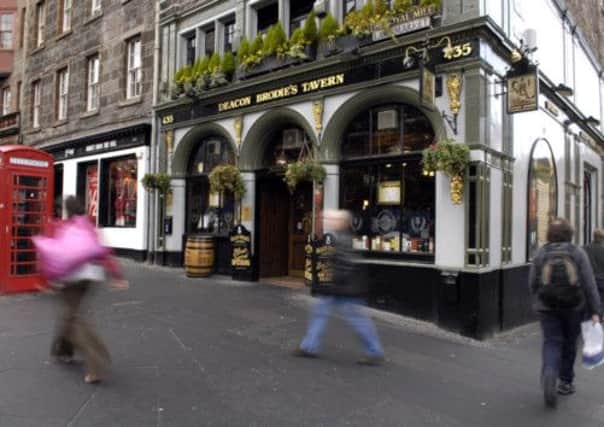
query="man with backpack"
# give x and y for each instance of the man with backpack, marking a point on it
(563, 288)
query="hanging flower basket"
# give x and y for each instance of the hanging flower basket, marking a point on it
(452, 159)
(304, 170)
(227, 178)
(157, 181)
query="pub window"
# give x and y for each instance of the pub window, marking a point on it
(62, 93)
(266, 16)
(209, 41)
(299, 11)
(40, 23)
(6, 101)
(207, 212)
(6, 30)
(478, 208)
(383, 184)
(542, 195)
(229, 35)
(119, 192)
(190, 41)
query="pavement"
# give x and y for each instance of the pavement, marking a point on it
(214, 352)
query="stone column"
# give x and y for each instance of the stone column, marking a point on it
(331, 189)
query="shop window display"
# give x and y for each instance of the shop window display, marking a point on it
(383, 183)
(208, 212)
(122, 192)
(543, 194)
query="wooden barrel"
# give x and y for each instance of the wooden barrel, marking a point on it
(199, 256)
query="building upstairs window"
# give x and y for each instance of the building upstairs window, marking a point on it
(94, 68)
(6, 31)
(190, 41)
(40, 24)
(135, 69)
(6, 101)
(210, 41)
(62, 93)
(267, 15)
(95, 7)
(36, 89)
(64, 16)
(299, 11)
(229, 35)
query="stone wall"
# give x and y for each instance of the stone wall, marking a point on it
(589, 16)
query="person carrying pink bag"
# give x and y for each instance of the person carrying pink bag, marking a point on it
(72, 258)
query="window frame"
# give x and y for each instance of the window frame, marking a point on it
(10, 31)
(134, 68)
(104, 192)
(93, 77)
(229, 23)
(65, 15)
(36, 104)
(62, 94)
(40, 24)
(6, 100)
(96, 7)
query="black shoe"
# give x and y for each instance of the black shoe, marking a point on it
(298, 352)
(566, 388)
(549, 391)
(371, 361)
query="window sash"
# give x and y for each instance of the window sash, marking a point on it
(93, 84)
(36, 106)
(134, 75)
(96, 6)
(63, 94)
(40, 25)
(66, 22)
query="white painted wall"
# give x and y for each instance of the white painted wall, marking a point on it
(496, 206)
(116, 237)
(173, 242)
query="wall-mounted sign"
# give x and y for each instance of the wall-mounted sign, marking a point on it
(549, 106)
(457, 51)
(241, 255)
(20, 161)
(523, 92)
(389, 193)
(427, 86)
(288, 91)
(414, 20)
(168, 225)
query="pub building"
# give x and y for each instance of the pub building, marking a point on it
(366, 116)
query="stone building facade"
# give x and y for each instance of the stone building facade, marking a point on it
(11, 63)
(87, 95)
(589, 18)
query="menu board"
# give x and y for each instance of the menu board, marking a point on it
(389, 193)
(309, 264)
(241, 258)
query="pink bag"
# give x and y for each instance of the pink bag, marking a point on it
(73, 244)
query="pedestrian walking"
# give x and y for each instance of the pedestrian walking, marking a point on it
(74, 331)
(344, 293)
(595, 252)
(562, 286)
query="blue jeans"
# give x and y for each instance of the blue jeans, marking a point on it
(354, 315)
(561, 330)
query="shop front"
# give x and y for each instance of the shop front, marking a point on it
(105, 172)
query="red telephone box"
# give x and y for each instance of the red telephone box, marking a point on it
(26, 202)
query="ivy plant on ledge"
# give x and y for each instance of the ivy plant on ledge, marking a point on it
(451, 158)
(157, 181)
(304, 170)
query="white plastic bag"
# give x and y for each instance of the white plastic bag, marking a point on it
(593, 344)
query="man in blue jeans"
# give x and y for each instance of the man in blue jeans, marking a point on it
(345, 293)
(562, 284)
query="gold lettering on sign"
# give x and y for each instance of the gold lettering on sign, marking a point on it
(235, 103)
(283, 92)
(323, 83)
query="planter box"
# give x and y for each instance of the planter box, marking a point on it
(342, 44)
(269, 64)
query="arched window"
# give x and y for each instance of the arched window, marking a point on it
(207, 212)
(383, 183)
(542, 195)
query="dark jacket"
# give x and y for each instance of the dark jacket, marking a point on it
(595, 253)
(348, 272)
(586, 277)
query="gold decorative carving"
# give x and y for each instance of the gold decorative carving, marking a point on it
(454, 85)
(456, 189)
(169, 140)
(317, 111)
(238, 128)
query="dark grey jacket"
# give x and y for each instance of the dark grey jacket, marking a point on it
(595, 253)
(586, 278)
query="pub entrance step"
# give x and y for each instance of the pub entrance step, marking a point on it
(289, 282)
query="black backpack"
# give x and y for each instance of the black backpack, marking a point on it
(560, 285)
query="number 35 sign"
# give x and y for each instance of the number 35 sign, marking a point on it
(457, 51)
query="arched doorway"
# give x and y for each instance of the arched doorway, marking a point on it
(205, 211)
(542, 195)
(284, 217)
(382, 181)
